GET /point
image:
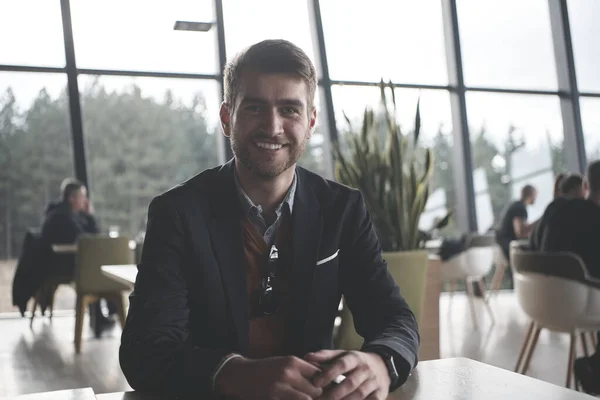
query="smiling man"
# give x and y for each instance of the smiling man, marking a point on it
(244, 265)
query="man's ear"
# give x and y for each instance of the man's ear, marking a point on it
(225, 117)
(312, 122)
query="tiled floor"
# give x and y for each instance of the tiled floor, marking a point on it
(43, 358)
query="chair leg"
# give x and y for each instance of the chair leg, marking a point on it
(471, 298)
(594, 338)
(35, 304)
(524, 346)
(485, 299)
(499, 277)
(82, 302)
(571, 360)
(584, 346)
(531, 349)
(121, 312)
(51, 305)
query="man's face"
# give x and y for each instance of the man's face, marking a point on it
(533, 197)
(270, 123)
(78, 200)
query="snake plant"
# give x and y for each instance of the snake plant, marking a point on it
(394, 177)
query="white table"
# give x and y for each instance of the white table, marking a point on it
(124, 273)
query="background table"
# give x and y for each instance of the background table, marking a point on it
(125, 273)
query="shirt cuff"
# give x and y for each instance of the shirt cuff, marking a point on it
(220, 366)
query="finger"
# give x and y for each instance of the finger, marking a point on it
(323, 355)
(307, 369)
(304, 385)
(283, 391)
(341, 365)
(367, 390)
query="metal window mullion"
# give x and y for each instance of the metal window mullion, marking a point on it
(74, 101)
(465, 216)
(223, 143)
(318, 39)
(574, 146)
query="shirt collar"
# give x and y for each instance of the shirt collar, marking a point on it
(248, 205)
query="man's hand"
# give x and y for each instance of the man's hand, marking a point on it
(366, 374)
(270, 378)
(89, 208)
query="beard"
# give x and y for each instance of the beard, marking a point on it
(266, 166)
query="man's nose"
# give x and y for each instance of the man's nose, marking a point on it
(273, 122)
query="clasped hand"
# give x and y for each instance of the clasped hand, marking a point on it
(309, 378)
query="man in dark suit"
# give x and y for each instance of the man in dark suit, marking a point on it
(244, 265)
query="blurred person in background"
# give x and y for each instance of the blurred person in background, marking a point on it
(513, 224)
(64, 222)
(572, 224)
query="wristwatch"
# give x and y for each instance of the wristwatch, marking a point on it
(391, 367)
(388, 358)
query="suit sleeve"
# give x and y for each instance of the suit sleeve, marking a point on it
(156, 352)
(381, 315)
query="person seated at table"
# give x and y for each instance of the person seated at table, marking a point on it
(244, 265)
(573, 186)
(513, 224)
(64, 222)
(573, 225)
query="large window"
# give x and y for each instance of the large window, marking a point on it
(516, 140)
(144, 136)
(398, 40)
(31, 32)
(139, 35)
(590, 118)
(249, 22)
(585, 30)
(35, 151)
(507, 44)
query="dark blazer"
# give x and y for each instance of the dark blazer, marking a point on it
(189, 307)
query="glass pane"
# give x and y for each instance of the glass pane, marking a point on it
(35, 151)
(585, 31)
(516, 140)
(249, 22)
(398, 40)
(436, 132)
(31, 32)
(507, 44)
(590, 118)
(140, 36)
(144, 136)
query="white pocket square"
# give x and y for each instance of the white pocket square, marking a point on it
(327, 259)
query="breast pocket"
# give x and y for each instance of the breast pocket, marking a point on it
(331, 259)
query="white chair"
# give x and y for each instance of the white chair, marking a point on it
(472, 265)
(556, 292)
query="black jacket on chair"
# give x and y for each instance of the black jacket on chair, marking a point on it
(189, 307)
(29, 273)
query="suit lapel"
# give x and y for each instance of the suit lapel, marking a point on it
(226, 235)
(307, 225)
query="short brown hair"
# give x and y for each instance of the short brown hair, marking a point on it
(593, 177)
(69, 186)
(527, 191)
(571, 182)
(270, 57)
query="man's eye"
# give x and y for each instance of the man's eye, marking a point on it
(289, 111)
